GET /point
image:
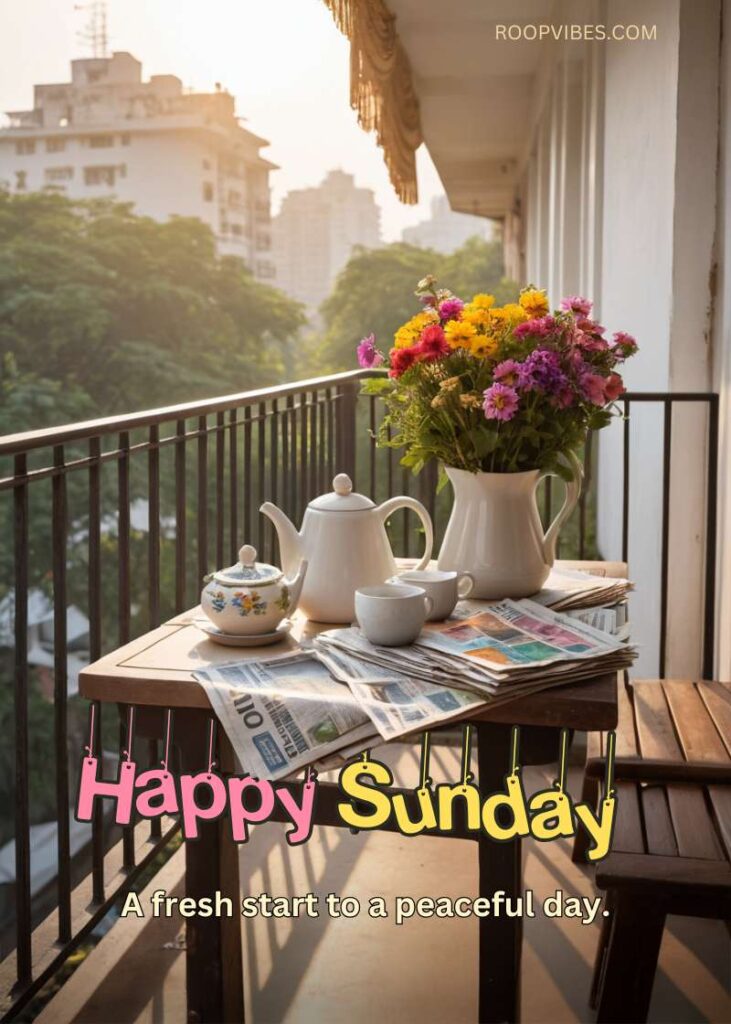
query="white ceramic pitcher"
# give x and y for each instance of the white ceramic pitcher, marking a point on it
(495, 531)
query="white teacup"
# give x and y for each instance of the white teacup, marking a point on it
(392, 615)
(444, 587)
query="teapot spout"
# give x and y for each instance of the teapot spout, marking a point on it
(290, 542)
(294, 585)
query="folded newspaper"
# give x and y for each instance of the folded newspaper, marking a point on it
(572, 588)
(308, 708)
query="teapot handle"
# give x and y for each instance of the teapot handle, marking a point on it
(390, 506)
(573, 490)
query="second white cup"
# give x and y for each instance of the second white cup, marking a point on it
(392, 615)
(444, 587)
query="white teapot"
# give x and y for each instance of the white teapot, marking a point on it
(250, 598)
(344, 540)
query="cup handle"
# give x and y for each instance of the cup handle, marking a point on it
(428, 604)
(469, 579)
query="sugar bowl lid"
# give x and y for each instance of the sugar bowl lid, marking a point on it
(342, 498)
(247, 571)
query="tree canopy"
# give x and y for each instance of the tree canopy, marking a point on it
(375, 292)
(123, 313)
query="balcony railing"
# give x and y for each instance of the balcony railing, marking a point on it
(118, 519)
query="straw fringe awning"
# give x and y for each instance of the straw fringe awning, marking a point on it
(381, 89)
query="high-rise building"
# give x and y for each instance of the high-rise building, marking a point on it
(168, 151)
(446, 230)
(315, 231)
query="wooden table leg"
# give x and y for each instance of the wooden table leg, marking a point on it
(500, 868)
(214, 969)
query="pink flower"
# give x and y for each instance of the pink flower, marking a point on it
(590, 342)
(368, 354)
(402, 359)
(592, 388)
(625, 344)
(508, 372)
(575, 304)
(539, 327)
(590, 326)
(451, 309)
(433, 344)
(501, 402)
(613, 387)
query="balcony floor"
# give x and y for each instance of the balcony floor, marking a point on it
(320, 970)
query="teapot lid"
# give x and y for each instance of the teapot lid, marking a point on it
(342, 498)
(247, 570)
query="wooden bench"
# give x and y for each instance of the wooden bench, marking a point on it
(671, 848)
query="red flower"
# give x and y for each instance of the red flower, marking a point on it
(433, 343)
(613, 387)
(402, 359)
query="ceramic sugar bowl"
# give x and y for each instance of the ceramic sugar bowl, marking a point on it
(250, 598)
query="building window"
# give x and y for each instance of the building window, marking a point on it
(59, 174)
(55, 145)
(25, 146)
(207, 192)
(125, 139)
(100, 175)
(265, 269)
(21, 180)
(236, 229)
(101, 141)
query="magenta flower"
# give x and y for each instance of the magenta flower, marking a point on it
(433, 344)
(368, 354)
(451, 309)
(508, 372)
(542, 371)
(590, 326)
(576, 304)
(501, 402)
(539, 327)
(592, 388)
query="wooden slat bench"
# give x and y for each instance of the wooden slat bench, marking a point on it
(671, 849)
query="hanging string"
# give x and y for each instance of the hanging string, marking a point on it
(90, 748)
(211, 735)
(366, 755)
(168, 721)
(467, 775)
(561, 781)
(130, 733)
(424, 764)
(514, 740)
(609, 774)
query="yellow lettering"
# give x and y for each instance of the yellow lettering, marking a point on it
(514, 800)
(599, 829)
(447, 795)
(350, 783)
(554, 818)
(404, 823)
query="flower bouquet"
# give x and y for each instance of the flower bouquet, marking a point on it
(501, 396)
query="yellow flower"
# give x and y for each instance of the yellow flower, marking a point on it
(459, 333)
(438, 401)
(510, 314)
(449, 384)
(478, 316)
(534, 301)
(483, 345)
(408, 334)
(483, 301)
(470, 401)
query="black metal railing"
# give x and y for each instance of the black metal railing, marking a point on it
(118, 519)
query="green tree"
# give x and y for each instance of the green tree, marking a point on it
(129, 312)
(375, 292)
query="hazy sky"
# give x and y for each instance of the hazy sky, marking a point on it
(284, 61)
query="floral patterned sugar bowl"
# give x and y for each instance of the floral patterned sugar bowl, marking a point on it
(250, 598)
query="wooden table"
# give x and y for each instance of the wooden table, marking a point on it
(155, 672)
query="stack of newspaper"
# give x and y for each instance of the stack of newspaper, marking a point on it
(507, 649)
(320, 706)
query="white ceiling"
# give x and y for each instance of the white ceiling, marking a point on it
(476, 92)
